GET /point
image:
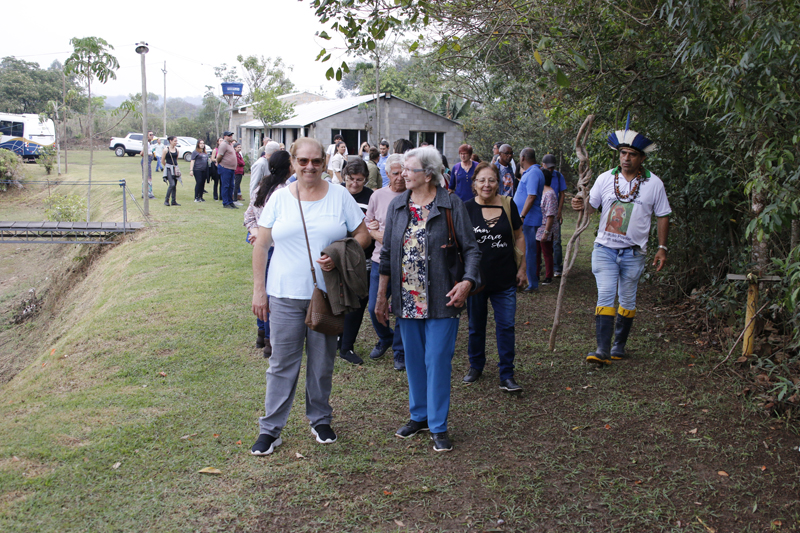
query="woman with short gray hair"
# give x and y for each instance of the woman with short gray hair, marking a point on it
(425, 297)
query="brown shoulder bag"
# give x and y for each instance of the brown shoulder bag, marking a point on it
(319, 316)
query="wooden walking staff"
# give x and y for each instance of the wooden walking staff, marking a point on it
(584, 177)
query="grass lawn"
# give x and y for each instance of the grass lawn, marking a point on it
(141, 371)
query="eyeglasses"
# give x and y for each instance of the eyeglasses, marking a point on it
(304, 161)
(414, 169)
(507, 153)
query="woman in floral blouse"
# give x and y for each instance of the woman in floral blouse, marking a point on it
(425, 299)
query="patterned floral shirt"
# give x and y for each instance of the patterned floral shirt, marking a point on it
(415, 298)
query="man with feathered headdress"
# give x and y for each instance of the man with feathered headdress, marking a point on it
(628, 196)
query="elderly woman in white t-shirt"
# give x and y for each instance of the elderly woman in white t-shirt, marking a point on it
(330, 212)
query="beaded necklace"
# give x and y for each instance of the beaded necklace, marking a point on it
(633, 193)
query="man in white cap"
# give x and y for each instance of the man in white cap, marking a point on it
(226, 163)
(629, 195)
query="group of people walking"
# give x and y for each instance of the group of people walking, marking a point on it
(225, 166)
(432, 249)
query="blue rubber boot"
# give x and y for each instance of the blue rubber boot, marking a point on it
(623, 328)
(604, 329)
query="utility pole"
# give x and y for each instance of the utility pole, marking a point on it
(164, 70)
(142, 49)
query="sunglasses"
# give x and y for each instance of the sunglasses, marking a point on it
(304, 161)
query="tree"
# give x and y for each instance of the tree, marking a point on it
(26, 88)
(268, 108)
(90, 60)
(265, 73)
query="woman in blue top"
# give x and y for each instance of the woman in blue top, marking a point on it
(330, 212)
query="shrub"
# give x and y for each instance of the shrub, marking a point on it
(11, 169)
(65, 208)
(47, 158)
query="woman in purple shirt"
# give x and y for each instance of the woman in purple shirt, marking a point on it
(462, 173)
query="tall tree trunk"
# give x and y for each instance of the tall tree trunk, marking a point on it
(66, 114)
(91, 152)
(795, 233)
(760, 253)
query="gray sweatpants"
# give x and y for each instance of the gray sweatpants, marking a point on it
(288, 333)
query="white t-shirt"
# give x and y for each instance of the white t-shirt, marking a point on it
(337, 163)
(331, 150)
(327, 220)
(625, 224)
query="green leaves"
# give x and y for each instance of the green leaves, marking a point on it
(561, 79)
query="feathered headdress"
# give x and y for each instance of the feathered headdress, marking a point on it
(628, 138)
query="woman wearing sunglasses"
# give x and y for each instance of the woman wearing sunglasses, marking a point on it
(329, 212)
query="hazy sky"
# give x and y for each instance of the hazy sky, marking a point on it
(192, 37)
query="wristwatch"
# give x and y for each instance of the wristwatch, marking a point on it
(662, 247)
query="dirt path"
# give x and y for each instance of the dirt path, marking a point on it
(651, 444)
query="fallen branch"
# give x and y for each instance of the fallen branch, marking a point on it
(584, 177)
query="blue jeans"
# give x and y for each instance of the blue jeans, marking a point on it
(617, 273)
(504, 304)
(226, 177)
(431, 343)
(529, 232)
(264, 324)
(558, 254)
(159, 168)
(385, 334)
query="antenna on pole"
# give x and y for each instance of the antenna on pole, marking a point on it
(164, 70)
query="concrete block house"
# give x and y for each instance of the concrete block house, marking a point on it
(355, 118)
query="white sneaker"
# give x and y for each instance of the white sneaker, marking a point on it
(238, 204)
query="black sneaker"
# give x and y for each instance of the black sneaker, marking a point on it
(509, 385)
(166, 204)
(547, 281)
(400, 362)
(411, 428)
(324, 433)
(267, 349)
(472, 376)
(441, 442)
(379, 350)
(265, 444)
(351, 357)
(176, 203)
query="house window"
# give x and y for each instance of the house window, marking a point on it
(352, 138)
(433, 138)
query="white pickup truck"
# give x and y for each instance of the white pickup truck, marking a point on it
(131, 144)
